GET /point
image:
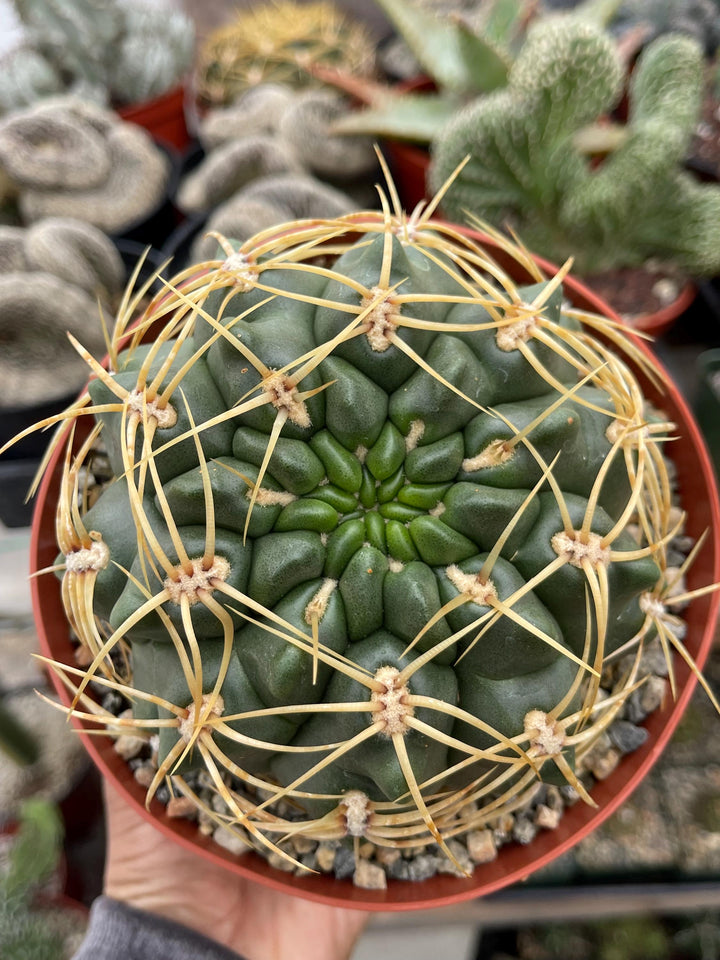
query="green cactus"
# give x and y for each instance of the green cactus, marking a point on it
(378, 554)
(30, 927)
(280, 42)
(529, 144)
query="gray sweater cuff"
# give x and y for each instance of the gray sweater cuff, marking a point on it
(120, 932)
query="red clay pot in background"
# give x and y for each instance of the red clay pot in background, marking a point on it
(514, 862)
(163, 117)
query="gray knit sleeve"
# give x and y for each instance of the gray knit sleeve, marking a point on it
(120, 932)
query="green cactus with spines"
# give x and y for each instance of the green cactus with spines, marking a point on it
(281, 42)
(529, 164)
(377, 554)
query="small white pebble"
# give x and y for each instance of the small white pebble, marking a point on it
(302, 844)
(144, 775)
(387, 855)
(481, 846)
(547, 818)
(181, 807)
(369, 876)
(325, 856)
(280, 863)
(230, 841)
(604, 765)
(129, 746)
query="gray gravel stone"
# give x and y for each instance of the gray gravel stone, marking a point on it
(399, 870)
(646, 699)
(626, 736)
(525, 830)
(344, 863)
(422, 867)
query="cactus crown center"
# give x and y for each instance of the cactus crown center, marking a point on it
(392, 699)
(199, 577)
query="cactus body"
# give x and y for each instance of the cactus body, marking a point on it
(378, 556)
(281, 42)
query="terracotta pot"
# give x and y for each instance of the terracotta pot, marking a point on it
(657, 322)
(515, 862)
(163, 117)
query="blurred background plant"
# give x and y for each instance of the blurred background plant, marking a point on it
(543, 158)
(69, 157)
(464, 55)
(110, 52)
(35, 923)
(280, 42)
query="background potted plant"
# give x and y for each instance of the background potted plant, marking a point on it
(618, 194)
(280, 43)
(35, 919)
(343, 601)
(130, 56)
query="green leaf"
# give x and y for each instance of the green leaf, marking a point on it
(503, 20)
(485, 66)
(444, 49)
(414, 116)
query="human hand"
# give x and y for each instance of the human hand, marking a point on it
(147, 870)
